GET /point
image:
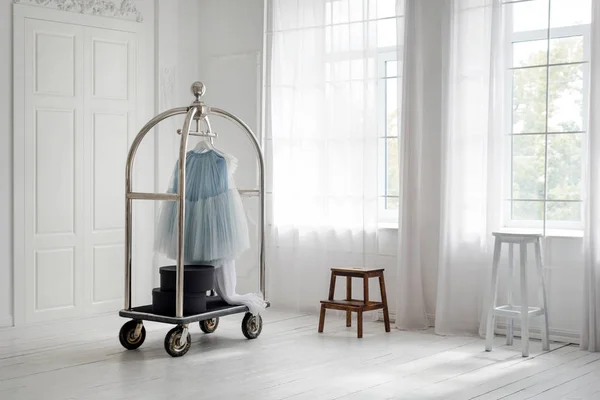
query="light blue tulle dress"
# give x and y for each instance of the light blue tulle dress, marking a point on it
(216, 229)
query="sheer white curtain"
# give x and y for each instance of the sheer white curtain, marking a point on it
(471, 162)
(323, 136)
(590, 331)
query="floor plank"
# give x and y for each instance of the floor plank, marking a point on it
(83, 360)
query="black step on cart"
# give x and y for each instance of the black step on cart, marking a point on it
(178, 340)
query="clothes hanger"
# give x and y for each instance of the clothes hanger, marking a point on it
(206, 143)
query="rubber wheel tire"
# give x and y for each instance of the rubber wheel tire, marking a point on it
(172, 340)
(126, 335)
(209, 325)
(252, 326)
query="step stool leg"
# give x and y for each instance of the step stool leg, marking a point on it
(348, 297)
(360, 323)
(322, 319)
(386, 314)
(542, 294)
(511, 276)
(524, 302)
(332, 286)
(489, 329)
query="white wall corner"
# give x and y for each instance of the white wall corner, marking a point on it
(121, 9)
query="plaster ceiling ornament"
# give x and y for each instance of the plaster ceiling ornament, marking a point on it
(123, 9)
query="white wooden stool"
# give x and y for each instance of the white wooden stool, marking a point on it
(510, 310)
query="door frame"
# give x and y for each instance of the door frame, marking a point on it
(145, 106)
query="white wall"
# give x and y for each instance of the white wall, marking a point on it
(230, 64)
(6, 211)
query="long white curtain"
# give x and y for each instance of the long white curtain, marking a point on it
(471, 158)
(323, 139)
(590, 331)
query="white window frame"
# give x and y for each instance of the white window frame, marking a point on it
(525, 36)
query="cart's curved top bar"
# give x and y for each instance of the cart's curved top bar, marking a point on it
(196, 111)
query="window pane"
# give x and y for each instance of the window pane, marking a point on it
(391, 106)
(386, 33)
(564, 167)
(391, 68)
(566, 49)
(357, 11)
(528, 167)
(563, 211)
(529, 53)
(386, 8)
(566, 99)
(392, 168)
(528, 15)
(340, 12)
(527, 210)
(570, 12)
(529, 100)
(391, 203)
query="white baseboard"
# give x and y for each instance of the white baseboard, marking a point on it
(6, 322)
(556, 335)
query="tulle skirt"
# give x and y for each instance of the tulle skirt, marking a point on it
(215, 229)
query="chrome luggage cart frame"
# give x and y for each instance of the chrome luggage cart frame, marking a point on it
(177, 341)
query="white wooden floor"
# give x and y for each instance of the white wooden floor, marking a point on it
(83, 360)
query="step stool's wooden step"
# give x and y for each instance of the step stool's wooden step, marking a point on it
(352, 304)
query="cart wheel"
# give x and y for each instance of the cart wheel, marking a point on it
(251, 326)
(209, 325)
(173, 343)
(127, 335)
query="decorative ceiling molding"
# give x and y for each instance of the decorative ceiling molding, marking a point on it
(122, 9)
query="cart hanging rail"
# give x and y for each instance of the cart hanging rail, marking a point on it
(177, 343)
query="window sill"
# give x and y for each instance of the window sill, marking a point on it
(387, 226)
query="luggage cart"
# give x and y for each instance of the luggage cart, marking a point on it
(177, 341)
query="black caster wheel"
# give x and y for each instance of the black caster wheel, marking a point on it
(174, 345)
(209, 325)
(127, 335)
(251, 326)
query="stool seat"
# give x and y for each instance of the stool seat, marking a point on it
(524, 312)
(353, 305)
(357, 269)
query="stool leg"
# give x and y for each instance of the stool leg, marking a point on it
(489, 329)
(348, 297)
(322, 319)
(332, 286)
(386, 314)
(511, 277)
(542, 294)
(524, 302)
(360, 323)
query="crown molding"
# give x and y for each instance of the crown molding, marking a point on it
(121, 9)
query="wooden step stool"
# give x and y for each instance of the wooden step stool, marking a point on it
(359, 306)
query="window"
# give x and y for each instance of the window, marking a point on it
(343, 17)
(388, 110)
(547, 84)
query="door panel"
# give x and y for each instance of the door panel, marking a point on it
(53, 175)
(110, 112)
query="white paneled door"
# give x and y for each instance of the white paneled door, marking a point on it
(79, 107)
